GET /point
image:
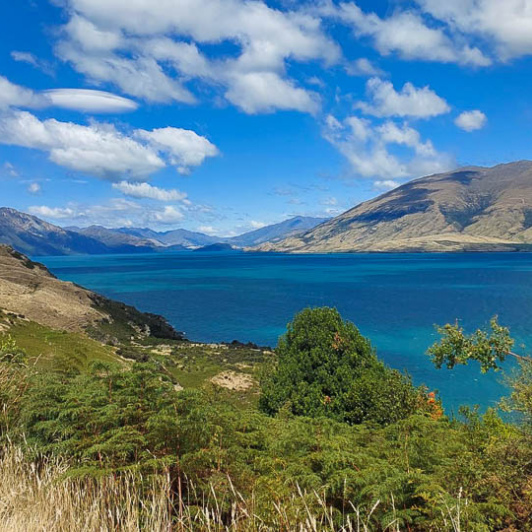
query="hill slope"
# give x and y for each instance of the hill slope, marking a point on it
(470, 209)
(29, 289)
(275, 232)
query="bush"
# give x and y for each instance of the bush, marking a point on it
(325, 367)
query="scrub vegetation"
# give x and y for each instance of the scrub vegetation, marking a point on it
(144, 436)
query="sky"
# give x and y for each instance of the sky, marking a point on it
(227, 115)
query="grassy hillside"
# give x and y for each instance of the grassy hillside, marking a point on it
(55, 323)
(470, 209)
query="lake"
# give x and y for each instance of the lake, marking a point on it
(394, 299)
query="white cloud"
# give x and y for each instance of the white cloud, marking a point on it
(391, 133)
(471, 120)
(251, 89)
(10, 169)
(146, 49)
(507, 25)
(410, 101)
(12, 95)
(366, 147)
(24, 57)
(257, 225)
(90, 37)
(170, 215)
(54, 213)
(252, 24)
(265, 92)
(185, 148)
(100, 150)
(141, 77)
(360, 127)
(116, 212)
(363, 67)
(104, 151)
(450, 31)
(385, 185)
(316, 81)
(331, 201)
(207, 229)
(91, 101)
(30, 59)
(34, 188)
(147, 191)
(407, 34)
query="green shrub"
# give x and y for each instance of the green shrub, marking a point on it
(325, 367)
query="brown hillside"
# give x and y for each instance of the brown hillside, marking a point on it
(470, 209)
(29, 289)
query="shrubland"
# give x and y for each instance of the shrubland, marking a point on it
(331, 439)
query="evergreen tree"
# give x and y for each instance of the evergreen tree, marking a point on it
(325, 367)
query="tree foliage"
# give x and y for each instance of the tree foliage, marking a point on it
(325, 367)
(488, 347)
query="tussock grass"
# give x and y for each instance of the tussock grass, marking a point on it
(39, 496)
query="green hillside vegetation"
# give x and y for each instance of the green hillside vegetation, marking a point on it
(45, 346)
(332, 439)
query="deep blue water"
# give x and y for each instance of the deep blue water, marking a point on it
(395, 299)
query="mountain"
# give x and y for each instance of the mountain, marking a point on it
(218, 247)
(27, 288)
(191, 239)
(469, 209)
(33, 236)
(115, 239)
(177, 237)
(275, 232)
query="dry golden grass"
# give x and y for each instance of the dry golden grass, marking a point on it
(40, 497)
(42, 298)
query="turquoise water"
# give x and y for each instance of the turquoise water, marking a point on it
(395, 299)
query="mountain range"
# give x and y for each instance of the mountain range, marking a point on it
(35, 237)
(469, 209)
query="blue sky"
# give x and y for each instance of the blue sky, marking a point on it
(225, 115)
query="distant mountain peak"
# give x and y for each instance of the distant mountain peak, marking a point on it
(33, 236)
(276, 232)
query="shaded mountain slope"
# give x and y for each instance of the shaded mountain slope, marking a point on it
(115, 239)
(28, 234)
(275, 232)
(33, 236)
